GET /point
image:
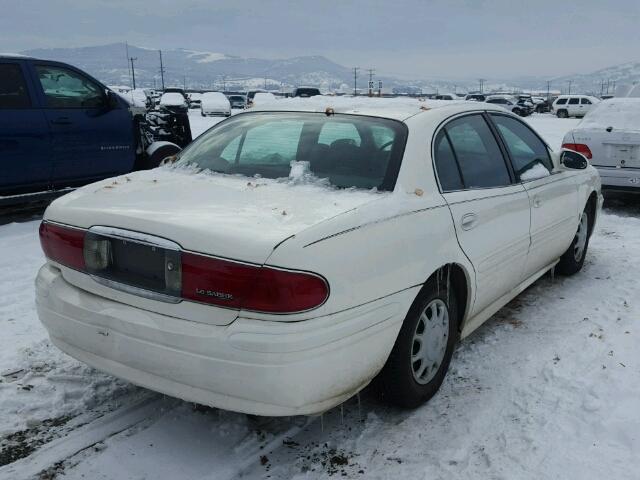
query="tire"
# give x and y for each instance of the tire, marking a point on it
(562, 114)
(398, 381)
(160, 153)
(572, 260)
(517, 111)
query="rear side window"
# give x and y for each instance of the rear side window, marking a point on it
(561, 101)
(479, 157)
(585, 101)
(13, 89)
(446, 164)
(65, 88)
(574, 101)
(525, 148)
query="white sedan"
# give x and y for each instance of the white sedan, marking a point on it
(290, 257)
(214, 103)
(609, 135)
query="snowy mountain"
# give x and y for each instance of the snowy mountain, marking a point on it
(197, 69)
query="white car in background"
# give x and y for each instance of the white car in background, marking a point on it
(609, 135)
(215, 103)
(261, 98)
(173, 100)
(294, 253)
(566, 106)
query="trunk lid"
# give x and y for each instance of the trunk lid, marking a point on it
(228, 216)
(618, 148)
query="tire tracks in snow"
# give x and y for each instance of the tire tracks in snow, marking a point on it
(87, 436)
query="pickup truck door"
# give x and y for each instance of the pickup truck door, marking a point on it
(24, 134)
(490, 211)
(553, 194)
(90, 139)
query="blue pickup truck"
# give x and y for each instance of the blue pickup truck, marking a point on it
(60, 128)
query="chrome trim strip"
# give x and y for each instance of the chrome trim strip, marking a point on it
(140, 292)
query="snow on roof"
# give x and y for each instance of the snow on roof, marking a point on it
(395, 108)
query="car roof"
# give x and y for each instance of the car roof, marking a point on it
(393, 108)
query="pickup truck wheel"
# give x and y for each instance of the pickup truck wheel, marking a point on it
(572, 260)
(563, 114)
(421, 355)
(159, 154)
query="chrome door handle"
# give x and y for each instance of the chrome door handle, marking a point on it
(469, 221)
(61, 121)
(537, 202)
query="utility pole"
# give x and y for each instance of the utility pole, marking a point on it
(355, 81)
(481, 81)
(126, 48)
(570, 82)
(184, 82)
(265, 82)
(161, 70)
(371, 72)
(548, 88)
(133, 72)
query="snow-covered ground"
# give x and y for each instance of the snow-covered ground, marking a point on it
(548, 388)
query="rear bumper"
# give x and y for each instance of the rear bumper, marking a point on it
(251, 366)
(620, 179)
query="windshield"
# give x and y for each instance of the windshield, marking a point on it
(347, 150)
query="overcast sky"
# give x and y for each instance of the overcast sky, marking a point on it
(409, 38)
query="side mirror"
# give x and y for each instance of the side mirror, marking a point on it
(112, 100)
(573, 160)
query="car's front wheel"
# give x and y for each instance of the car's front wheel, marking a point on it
(421, 355)
(572, 260)
(563, 114)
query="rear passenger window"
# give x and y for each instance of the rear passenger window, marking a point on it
(525, 148)
(479, 157)
(574, 101)
(585, 101)
(446, 164)
(561, 101)
(13, 89)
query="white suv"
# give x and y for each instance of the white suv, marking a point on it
(566, 106)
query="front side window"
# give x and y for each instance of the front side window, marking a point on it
(574, 101)
(13, 89)
(525, 148)
(585, 101)
(479, 157)
(561, 101)
(348, 150)
(65, 88)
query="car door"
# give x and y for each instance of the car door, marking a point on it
(489, 210)
(24, 134)
(90, 139)
(573, 106)
(585, 106)
(552, 193)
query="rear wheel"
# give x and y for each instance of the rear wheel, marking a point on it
(572, 260)
(421, 355)
(563, 114)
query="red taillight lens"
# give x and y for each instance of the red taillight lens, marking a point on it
(63, 244)
(579, 147)
(250, 287)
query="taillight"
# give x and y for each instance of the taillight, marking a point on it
(579, 147)
(63, 244)
(250, 287)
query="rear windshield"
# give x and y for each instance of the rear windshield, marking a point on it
(347, 150)
(622, 114)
